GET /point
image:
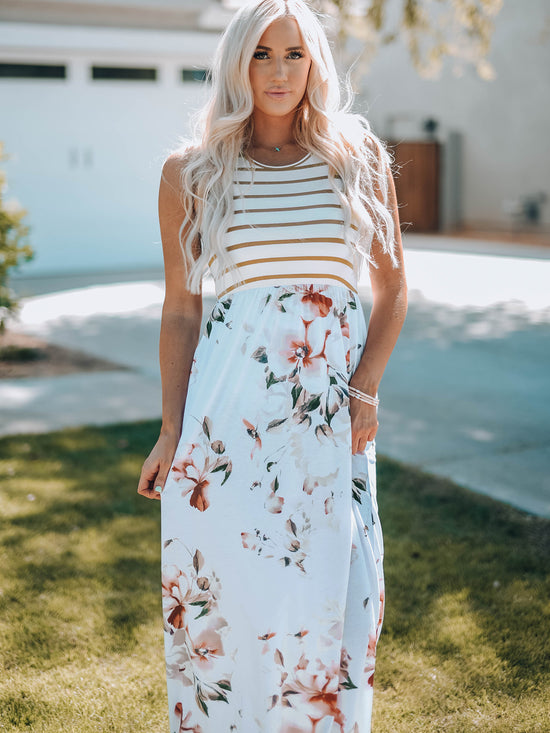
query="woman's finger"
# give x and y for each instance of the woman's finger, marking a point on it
(162, 475)
(149, 493)
(147, 481)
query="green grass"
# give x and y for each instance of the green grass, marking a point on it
(465, 642)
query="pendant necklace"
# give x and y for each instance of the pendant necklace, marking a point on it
(277, 148)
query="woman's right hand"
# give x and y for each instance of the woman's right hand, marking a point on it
(156, 466)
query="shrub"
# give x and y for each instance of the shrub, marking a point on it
(14, 246)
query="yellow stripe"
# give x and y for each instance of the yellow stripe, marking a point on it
(287, 224)
(315, 276)
(281, 195)
(314, 258)
(287, 208)
(318, 240)
(281, 183)
(336, 240)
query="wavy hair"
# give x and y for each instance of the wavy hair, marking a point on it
(223, 128)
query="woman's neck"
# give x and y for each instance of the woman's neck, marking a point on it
(272, 133)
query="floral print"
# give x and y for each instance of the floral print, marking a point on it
(201, 460)
(273, 588)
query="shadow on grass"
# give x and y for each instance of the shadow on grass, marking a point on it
(82, 547)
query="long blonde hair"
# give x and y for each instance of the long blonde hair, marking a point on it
(223, 129)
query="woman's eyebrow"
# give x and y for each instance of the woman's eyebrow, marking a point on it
(290, 48)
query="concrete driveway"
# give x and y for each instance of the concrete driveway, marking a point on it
(466, 394)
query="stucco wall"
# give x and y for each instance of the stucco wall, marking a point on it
(504, 123)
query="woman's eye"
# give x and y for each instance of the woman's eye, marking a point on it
(261, 55)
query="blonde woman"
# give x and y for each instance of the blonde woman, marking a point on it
(273, 587)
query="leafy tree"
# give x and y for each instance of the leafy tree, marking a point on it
(14, 246)
(432, 30)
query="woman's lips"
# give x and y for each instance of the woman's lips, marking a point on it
(278, 95)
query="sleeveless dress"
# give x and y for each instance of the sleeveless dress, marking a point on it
(272, 549)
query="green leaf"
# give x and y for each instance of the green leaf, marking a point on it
(200, 701)
(296, 390)
(313, 403)
(260, 355)
(358, 485)
(348, 684)
(198, 560)
(220, 698)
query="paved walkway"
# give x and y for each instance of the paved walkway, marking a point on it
(465, 395)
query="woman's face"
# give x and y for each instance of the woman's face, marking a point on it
(279, 68)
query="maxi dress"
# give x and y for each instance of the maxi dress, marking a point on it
(272, 548)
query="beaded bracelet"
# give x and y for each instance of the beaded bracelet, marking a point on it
(363, 396)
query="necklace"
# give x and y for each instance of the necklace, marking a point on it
(276, 148)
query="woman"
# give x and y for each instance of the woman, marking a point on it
(273, 589)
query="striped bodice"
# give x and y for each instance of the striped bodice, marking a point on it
(287, 228)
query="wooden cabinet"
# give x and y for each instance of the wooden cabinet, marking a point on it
(417, 184)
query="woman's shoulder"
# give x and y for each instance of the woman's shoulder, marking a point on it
(174, 166)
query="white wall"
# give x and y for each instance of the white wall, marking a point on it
(505, 123)
(87, 155)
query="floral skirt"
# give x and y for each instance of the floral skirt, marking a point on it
(272, 549)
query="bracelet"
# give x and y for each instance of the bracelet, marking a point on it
(363, 396)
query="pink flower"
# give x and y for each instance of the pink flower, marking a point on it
(253, 432)
(176, 594)
(370, 660)
(381, 612)
(309, 484)
(185, 723)
(265, 638)
(320, 304)
(249, 540)
(274, 503)
(314, 693)
(206, 648)
(371, 649)
(305, 352)
(186, 469)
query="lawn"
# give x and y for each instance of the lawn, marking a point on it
(465, 642)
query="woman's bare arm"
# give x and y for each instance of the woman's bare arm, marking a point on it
(389, 288)
(179, 332)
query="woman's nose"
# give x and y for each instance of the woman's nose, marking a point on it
(280, 69)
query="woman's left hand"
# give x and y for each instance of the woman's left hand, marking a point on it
(364, 424)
